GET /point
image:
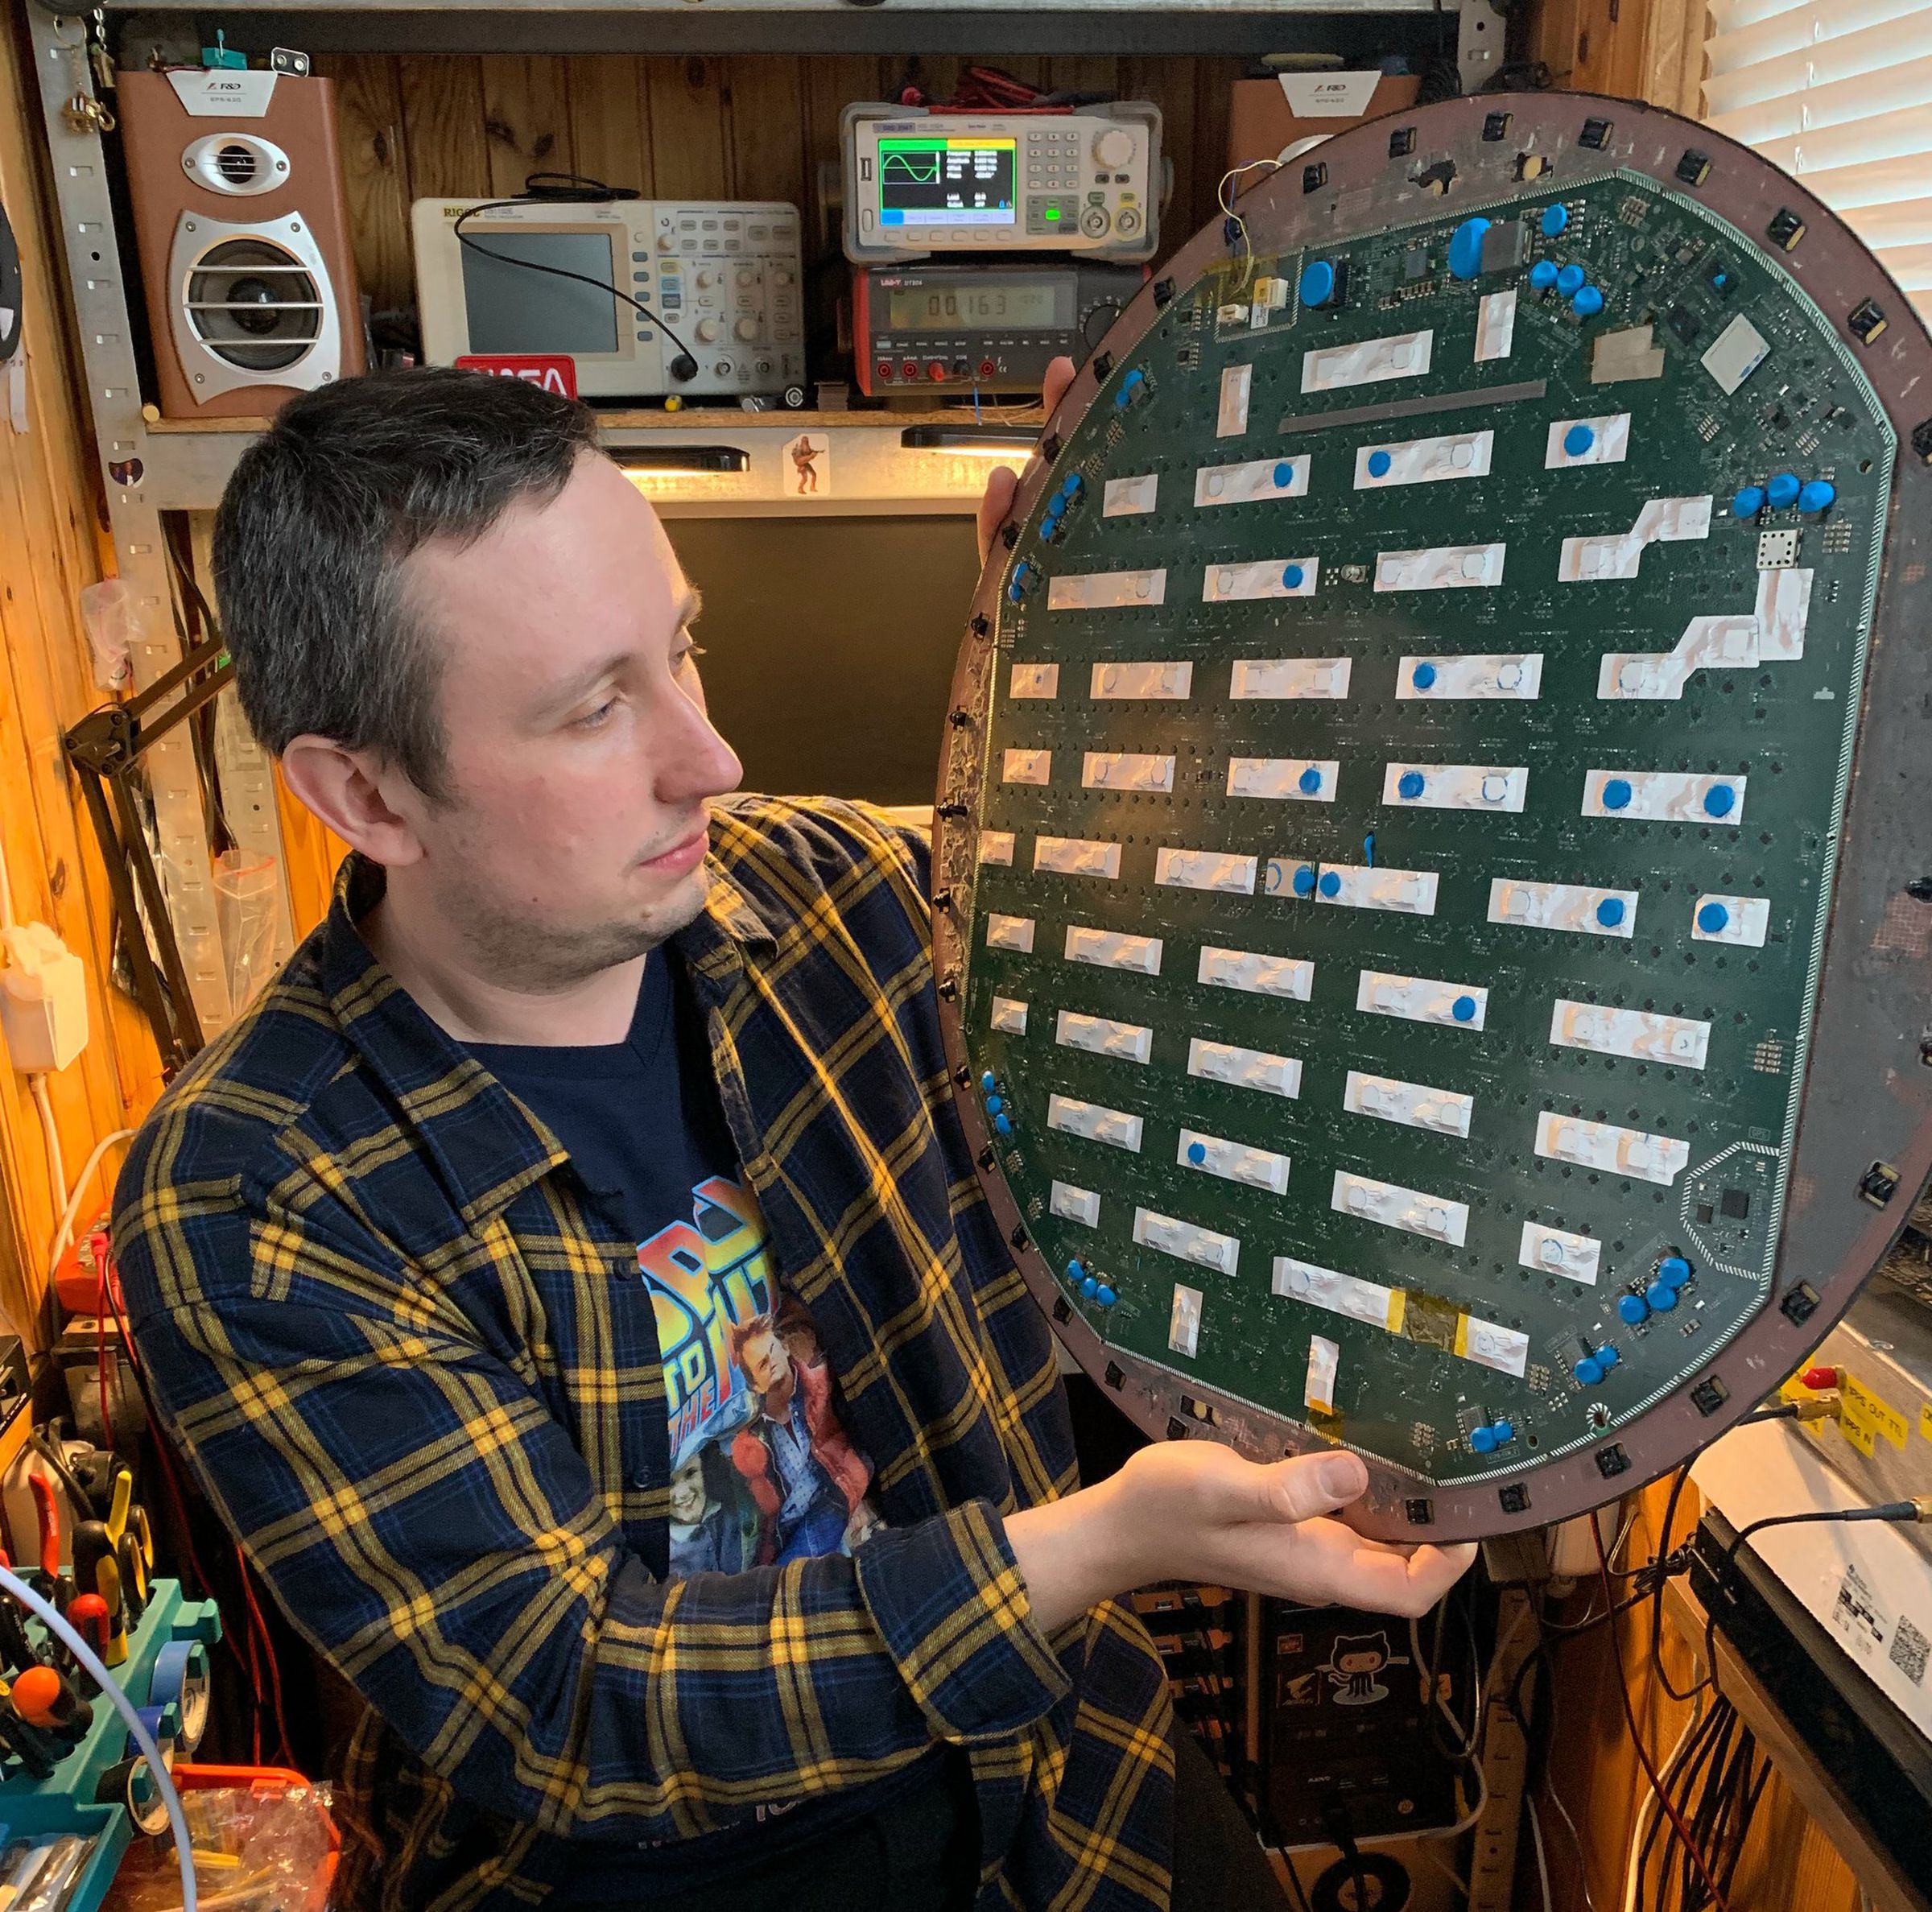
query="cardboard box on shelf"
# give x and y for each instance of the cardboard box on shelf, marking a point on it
(1269, 115)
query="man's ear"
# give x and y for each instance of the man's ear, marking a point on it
(371, 808)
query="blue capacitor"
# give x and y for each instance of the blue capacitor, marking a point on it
(1089, 1288)
(1330, 884)
(1291, 577)
(1617, 794)
(1318, 282)
(1569, 280)
(1310, 781)
(1542, 275)
(1817, 495)
(1589, 1370)
(988, 1079)
(1130, 389)
(1049, 525)
(1748, 501)
(1422, 676)
(1003, 1123)
(1673, 1271)
(1720, 799)
(1713, 918)
(1783, 491)
(1504, 1431)
(1075, 483)
(1073, 1269)
(1410, 784)
(994, 1104)
(1197, 1152)
(1464, 1009)
(1284, 475)
(1379, 463)
(1482, 1439)
(1610, 911)
(1607, 1357)
(1632, 1308)
(1555, 219)
(1304, 882)
(1661, 1296)
(1466, 249)
(1577, 440)
(1106, 1297)
(1587, 303)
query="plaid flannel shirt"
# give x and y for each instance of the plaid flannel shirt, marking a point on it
(416, 1371)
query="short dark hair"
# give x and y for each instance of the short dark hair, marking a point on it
(314, 527)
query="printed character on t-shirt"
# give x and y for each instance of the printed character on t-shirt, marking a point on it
(804, 1508)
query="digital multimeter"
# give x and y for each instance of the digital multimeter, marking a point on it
(993, 326)
(918, 182)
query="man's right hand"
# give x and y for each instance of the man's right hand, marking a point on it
(1194, 1510)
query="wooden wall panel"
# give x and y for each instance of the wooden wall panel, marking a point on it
(368, 129)
(50, 546)
(610, 119)
(688, 146)
(765, 103)
(448, 151)
(525, 120)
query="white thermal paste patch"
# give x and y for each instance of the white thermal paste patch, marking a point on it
(1659, 1158)
(1076, 857)
(1413, 1105)
(1126, 770)
(1111, 949)
(1412, 1210)
(1607, 557)
(1106, 590)
(1093, 1121)
(1268, 577)
(1243, 1068)
(1423, 460)
(1150, 682)
(1130, 497)
(1368, 362)
(1258, 478)
(1256, 680)
(1553, 1251)
(1440, 567)
(1102, 1035)
(1258, 975)
(1516, 675)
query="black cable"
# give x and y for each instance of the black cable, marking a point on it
(1677, 1481)
(1890, 1510)
(578, 188)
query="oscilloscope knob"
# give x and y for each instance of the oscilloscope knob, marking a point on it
(1112, 147)
(708, 330)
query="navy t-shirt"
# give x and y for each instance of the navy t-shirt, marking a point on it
(761, 1470)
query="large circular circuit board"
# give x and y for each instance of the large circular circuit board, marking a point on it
(1433, 874)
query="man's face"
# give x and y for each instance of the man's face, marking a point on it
(581, 758)
(688, 1495)
(764, 1361)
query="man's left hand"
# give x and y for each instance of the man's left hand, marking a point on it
(997, 498)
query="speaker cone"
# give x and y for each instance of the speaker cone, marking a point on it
(254, 304)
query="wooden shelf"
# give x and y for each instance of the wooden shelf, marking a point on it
(708, 418)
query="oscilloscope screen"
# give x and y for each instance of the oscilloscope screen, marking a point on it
(937, 181)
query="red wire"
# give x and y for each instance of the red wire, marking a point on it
(1637, 1738)
(107, 1418)
(268, 1652)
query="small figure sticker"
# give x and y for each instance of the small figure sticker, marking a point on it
(1354, 1661)
(810, 456)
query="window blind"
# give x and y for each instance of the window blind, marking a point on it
(1839, 92)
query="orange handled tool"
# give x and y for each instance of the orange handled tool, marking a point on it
(42, 1698)
(46, 1509)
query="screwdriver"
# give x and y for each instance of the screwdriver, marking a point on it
(27, 1744)
(109, 1573)
(91, 1621)
(93, 1544)
(14, 1646)
(43, 1698)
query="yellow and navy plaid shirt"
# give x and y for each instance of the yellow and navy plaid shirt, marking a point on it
(404, 1355)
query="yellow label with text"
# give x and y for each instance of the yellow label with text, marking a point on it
(1877, 1411)
(1859, 1432)
(1925, 1422)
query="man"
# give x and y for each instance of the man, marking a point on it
(591, 1065)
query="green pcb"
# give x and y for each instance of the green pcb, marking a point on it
(1419, 728)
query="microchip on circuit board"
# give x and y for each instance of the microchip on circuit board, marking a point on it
(1432, 894)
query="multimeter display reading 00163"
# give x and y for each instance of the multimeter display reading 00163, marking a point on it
(1430, 884)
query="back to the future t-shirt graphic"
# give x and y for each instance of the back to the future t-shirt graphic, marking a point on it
(762, 1472)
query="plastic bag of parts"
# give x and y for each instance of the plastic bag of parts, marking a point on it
(107, 610)
(245, 908)
(263, 1842)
